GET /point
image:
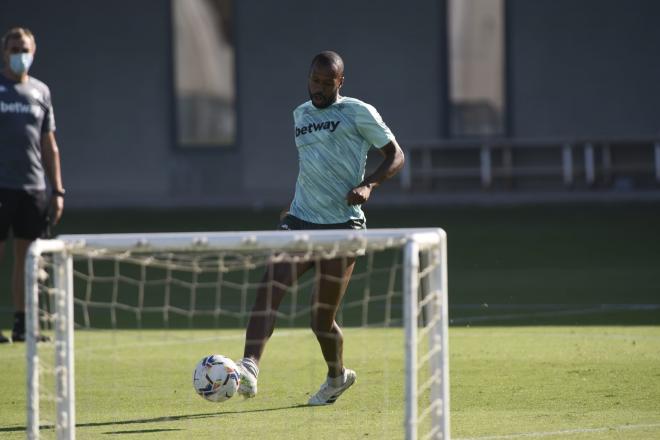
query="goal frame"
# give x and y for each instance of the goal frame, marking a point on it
(417, 244)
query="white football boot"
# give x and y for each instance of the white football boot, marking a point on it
(248, 372)
(330, 390)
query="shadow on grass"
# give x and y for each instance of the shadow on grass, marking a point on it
(142, 431)
(156, 420)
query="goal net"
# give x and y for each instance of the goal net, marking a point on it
(129, 315)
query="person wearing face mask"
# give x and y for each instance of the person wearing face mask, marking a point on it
(29, 156)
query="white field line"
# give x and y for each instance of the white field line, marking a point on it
(141, 343)
(557, 306)
(472, 333)
(475, 333)
(542, 434)
(176, 340)
(239, 335)
(552, 312)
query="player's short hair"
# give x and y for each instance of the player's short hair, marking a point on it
(16, 33)
(329, 58)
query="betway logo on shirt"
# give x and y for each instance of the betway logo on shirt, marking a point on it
(16, 107)
(317, 126)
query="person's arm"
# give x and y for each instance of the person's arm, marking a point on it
(391, 165)
(50, 157)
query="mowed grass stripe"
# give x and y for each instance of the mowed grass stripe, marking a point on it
(522, 435)
(567, 382)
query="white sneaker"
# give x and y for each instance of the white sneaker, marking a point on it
(248, 372)
(328, 393)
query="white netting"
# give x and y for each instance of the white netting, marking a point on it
(208, 292)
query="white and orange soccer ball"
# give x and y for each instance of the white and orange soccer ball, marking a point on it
(216, 378)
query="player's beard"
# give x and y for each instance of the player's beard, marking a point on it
(323, 102)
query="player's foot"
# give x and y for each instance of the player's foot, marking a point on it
(330, 390)
(18, 330)
(18, 336)
(248, 371)
(4, 339)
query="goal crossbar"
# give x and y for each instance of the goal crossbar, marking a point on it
(253, 240)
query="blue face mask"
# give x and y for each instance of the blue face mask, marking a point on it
(20, 63)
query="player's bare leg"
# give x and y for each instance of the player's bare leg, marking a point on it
(277, 279)
(334, 277)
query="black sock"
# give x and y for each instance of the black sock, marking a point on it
(19, 322)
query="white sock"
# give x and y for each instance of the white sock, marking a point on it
(337, 381)
(250, 365)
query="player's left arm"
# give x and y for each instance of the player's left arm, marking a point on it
(50, 157)
(391, 164)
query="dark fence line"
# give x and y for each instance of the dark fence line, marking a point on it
(571, 160)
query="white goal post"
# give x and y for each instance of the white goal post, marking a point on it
(424, 317)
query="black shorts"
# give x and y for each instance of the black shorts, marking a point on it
(292, 223)
(25, 212)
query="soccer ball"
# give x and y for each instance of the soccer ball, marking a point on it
(216, 378)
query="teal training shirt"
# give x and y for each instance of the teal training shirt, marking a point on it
(332, 152)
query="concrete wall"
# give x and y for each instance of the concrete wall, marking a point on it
(109, 66)
(584, 68)
(391, 57)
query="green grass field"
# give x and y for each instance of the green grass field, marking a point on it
(574, 383)
(573, 255)
(560, 367)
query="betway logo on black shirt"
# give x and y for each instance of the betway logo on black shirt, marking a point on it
(15, 107)
(317, 126)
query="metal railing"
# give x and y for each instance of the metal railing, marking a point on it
(586, 158)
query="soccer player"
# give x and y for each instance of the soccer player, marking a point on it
(333, 134)
(28, 153)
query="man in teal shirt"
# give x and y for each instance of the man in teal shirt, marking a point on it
(333, 134)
